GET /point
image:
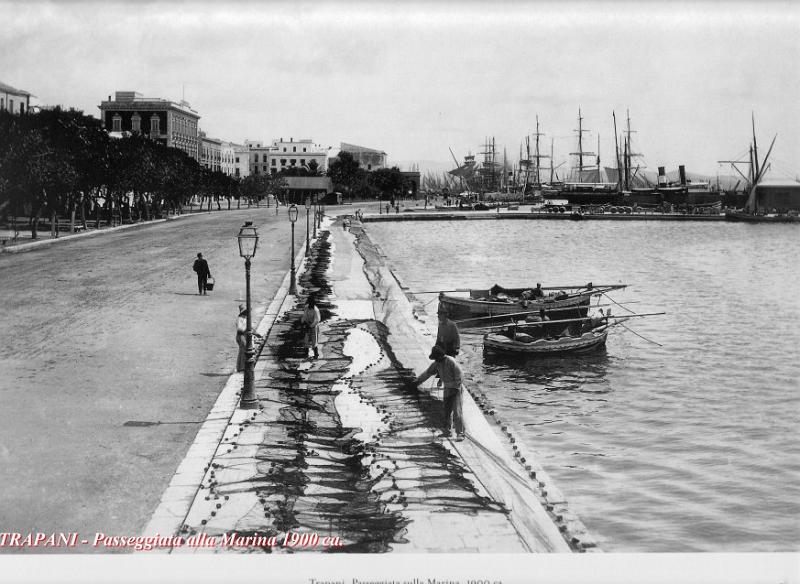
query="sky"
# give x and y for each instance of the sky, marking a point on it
(419, 79)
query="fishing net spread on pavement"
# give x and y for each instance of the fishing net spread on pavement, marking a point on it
(344, 445)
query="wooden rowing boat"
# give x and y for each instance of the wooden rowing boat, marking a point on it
(500, 343)
(498, 301)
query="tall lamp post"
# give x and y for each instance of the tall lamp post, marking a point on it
(248, 242)
(308, 208)
(293, 218)
(315, 216)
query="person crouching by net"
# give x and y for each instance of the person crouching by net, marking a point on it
(450, 373)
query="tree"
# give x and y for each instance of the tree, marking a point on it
(388, 180)
(344, 171)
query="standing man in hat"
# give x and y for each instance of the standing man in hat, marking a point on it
(203, 273)
(450, 373)
(447, 336)
(241, 338)
(309, 321)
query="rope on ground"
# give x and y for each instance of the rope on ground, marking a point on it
(501, 464)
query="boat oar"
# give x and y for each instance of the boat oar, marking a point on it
(565, 320)
(441, 291)
(566, 308)
(605, 286)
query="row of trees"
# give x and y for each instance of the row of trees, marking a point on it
(58, 163)
(61, 163)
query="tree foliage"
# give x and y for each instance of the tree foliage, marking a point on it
(57, 161)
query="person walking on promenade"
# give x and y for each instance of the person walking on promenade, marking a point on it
(241, 338)
(203, 273)
(450, 373)
(310, 325)
(447, 336)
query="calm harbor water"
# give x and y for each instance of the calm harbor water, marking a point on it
(687, 446)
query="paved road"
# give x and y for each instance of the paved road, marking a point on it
(101, 331)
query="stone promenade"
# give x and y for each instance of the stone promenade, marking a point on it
(342, 454)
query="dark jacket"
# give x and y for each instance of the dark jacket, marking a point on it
(201, 267)
(448, 338)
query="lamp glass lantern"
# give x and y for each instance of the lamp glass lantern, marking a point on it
(248, 240)
(308, 203)
(293, 213)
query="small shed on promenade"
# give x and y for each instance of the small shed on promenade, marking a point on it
(300, 187)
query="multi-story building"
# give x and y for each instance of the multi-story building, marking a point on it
(282, 155)
(14, 100)
(235, 160)
(210, 152)
(368, 158)
(169, 122)
(258, 154)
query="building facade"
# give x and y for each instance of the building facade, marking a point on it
(283, 155)
(368, 158)
(15, 101)
(258, 154)
(171, 123)
(234, 159)
(210, 152)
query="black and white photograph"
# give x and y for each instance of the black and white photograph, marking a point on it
(349, 292)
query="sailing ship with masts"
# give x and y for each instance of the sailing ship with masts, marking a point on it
(588, 183)
(533, 188)
(482, 179)
(772, 203)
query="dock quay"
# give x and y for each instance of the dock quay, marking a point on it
(420, 215)
(342, 454)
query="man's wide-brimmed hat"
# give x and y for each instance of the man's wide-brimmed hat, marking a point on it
(436, 353)
(242, 308)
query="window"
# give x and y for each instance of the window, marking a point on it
(116, 123)
(294, 161)
(237, 160)
(283, 162)
(11, 109)
(274, 162)
(155, 124)
(136, 123)
(294, 148)
(304, 149)
(284, 148)
(2, 103)
(302, 162)
(22, 107)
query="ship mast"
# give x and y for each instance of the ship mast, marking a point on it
(616, 149)
(580, 153)
(629, 155)
(538, 156)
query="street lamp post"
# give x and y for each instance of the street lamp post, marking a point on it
(308, 208)
(248, 242)
(293, 218)
(315, 216)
